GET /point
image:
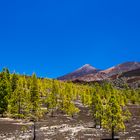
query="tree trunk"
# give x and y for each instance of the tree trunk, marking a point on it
(52, 113)
(34, 136)
(100, 122)
(112, 132)
(19, 107)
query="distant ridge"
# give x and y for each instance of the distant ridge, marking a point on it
(89, 73)
(124, 67)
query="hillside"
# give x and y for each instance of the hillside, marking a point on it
(87, 73)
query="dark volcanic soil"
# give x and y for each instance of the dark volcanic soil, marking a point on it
(62, 127)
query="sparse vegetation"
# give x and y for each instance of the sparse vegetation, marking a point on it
(31, 98)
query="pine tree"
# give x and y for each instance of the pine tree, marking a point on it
(96, 105)
(113, 118)
(68, 101)
(35, 97)
(5, 90)
(36, 111)
(19, 103)
(14, 79)
(52, 98)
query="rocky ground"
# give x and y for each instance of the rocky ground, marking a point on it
(62, 127)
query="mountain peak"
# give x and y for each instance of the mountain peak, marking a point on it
(84, 70)
(90, 73)
(87, 66)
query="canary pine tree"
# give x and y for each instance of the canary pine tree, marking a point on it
(68, 101)
(114, 114)
(52, 98)
(14, 79)
(36, 112)
(35, 97)
(19, 102)
(5, 90)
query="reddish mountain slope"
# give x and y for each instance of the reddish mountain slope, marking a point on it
(84, 70)
(125, 67)
(88, 73)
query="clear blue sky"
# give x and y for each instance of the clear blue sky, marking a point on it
(54, 37)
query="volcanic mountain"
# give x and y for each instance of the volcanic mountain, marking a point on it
(124, 67)
(81, 72)
(88, 73)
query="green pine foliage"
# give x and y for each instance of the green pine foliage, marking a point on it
(30, 97)
(5, 90)
(68, 98)
(113, 118)
(52, 98)
(36, 111)
(19, 103)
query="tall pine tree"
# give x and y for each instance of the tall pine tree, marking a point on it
(35, 97)
(5, 90)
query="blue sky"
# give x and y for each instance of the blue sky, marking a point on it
(54, 37)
